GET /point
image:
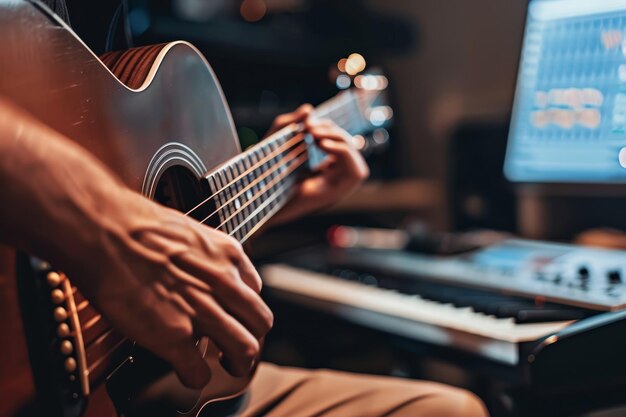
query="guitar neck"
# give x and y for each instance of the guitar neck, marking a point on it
(249, 189)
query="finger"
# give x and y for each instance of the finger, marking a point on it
(240, 348)
(176, 227)
(234, 249)
(247, 271)
(297, 116)
(333, 133)
(173, 297)
(314, 122)
(347, 157)
(234, 296)
(190, 366)
(249, 274)
(174, 251)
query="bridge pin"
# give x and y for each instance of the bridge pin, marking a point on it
(60, 314)
(57, 296)
(66, 347)
(54, 279)
(70, 364)
(63, 330)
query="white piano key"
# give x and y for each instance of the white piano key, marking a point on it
(389, 302)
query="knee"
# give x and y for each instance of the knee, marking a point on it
(460, 403)
(448, 402)
(469, 405)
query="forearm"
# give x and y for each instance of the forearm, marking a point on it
(55, 194)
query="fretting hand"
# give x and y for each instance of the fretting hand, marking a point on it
(340, 174)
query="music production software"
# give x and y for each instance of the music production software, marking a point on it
(569, 116)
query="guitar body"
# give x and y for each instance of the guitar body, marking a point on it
(160, 137)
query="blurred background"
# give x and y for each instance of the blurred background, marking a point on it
(451, 68)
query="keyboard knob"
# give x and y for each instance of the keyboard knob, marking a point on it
(614, 277)
(583, 273)
(368, 279)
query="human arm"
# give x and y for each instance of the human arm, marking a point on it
(159, 277)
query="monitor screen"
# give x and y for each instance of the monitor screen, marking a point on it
(569, 117)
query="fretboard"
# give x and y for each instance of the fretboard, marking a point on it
(249, 189)
(253, 186)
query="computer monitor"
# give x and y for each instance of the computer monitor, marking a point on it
(569, 116)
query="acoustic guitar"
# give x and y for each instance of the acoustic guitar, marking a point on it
(156, 116)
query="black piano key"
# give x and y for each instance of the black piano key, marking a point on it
(521, 310)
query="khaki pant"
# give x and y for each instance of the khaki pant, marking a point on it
(288, 392)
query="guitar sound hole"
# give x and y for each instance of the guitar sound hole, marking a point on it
(179, 189)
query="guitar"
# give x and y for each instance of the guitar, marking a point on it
(156, 116)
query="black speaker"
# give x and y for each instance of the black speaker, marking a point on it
(479, 195)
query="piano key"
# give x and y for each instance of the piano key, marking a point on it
(548, 314)
(351, 293)
(497, 305)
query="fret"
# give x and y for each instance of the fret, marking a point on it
(217, 177)
(237, 202)
(221, 180)
(248, 178)
(269, 205)
(277, 159)
(246, 224)
(273, 160)
(267, 165)
(260, 153)
(245, 196)
(225, 176)
(251, 161)
(271, 145)
(262, 168)
(254, 159)
(234, 174)
(279, 167)
(241, 169)
(250, 198)
(234, 204)
(259, 222)
(270, 196)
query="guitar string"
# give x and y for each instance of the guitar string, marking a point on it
(279, 192)
(282, 175)
(339, 107)
(256, 181)
(260, 221)
(248, 171)
(234, 182)
(234, 198)
(266, 173)
(299, 161)
(254, 198)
